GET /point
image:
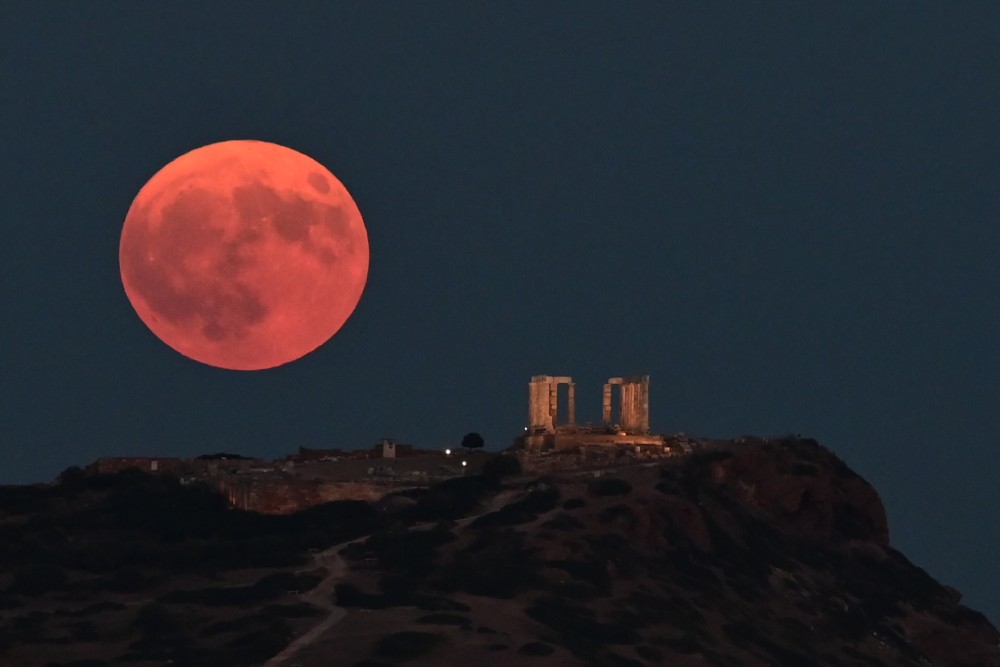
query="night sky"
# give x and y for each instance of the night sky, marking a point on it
(784, 212)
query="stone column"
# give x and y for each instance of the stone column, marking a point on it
(644, 405)
(607, 405)
(571, 403)
(635, 404)
(553, 405)
(539, 403)
(628, 422)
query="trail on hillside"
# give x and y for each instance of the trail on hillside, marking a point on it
(336, 567)
(321, 596)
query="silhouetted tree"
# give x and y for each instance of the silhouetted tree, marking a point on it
(472, 441)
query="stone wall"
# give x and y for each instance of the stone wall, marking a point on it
(288, 494)
(150, 464)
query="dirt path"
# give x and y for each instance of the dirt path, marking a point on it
(322, 594)
(322, 597)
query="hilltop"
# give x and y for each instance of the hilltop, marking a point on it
(749, 553)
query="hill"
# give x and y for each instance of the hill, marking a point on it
(751, 553)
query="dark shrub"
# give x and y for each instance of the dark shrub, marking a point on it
(38, 578)
(687, 644)
(256, 647)
(445, 619)
(577, 625)
(236, 596)
(72, 478)
(451, 499)
(155, 618)
(619, 514)
(587, 569)
(10, 602)
(408, 551)
(299, 610)
(563, 521)
(406, 645)
(501, 466)
(129, 579)
(348, 595)
(435, 603)
(280, 582)
(522, 511)
(580, 591)
(396, 585)
(27, 629)
(621, 661)
(536, 648)
(609, 487)
(23, 499)
(574, 503)
(538, 501)
(649, 653)
(805, 469)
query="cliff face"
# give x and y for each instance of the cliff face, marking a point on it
(753, 554)
(803, 487)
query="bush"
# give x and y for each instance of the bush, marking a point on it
(129, 579)
(406, 645)
(298, 610)
(236, 596)
(23, 499)
(443, 618)
(256, 647)
(609, 487)
(577, 625)
(155, 618)
(501, 466)
(279, 582)
(536, 648)
(522, 511)
(411, 551)
(451, 499)
(36, 579)
(347, 595)
(563, 521)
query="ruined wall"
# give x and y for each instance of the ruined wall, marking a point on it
(587, 458)
(291, 494)
(150, 464)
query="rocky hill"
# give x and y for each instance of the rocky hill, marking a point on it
(751, 553)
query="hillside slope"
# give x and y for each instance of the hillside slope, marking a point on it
(755, 554)
(749, 553)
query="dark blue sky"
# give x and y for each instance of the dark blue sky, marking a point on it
(784, 212)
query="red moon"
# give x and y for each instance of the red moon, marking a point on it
(244, 255)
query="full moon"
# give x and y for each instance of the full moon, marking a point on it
(244, 255)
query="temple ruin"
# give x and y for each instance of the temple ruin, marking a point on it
(628, 425)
